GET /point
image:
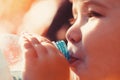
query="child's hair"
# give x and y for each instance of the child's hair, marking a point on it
(61, 18)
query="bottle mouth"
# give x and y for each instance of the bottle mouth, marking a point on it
(61, 45)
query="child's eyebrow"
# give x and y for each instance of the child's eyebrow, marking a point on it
(92, 2)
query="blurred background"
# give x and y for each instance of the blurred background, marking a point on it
(49, 18)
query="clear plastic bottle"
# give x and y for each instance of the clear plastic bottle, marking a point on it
(11, 49)
(12, 54)
(4, 70)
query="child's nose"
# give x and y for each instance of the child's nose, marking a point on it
(74, 35)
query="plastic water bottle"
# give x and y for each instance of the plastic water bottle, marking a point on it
(4, 70)
(12, 54)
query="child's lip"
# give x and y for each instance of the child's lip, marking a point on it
(74, 62)
(72, 59)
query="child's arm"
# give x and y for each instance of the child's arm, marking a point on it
(42, 60)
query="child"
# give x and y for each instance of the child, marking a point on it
(93, 42)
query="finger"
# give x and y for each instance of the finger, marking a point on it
(42, 39)
(27, 48)
(50, 48)
(42, 45)
(38, 47)
(32, 39)
(41, 51)
(37, 38)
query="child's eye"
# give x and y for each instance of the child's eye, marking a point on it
(94, 14)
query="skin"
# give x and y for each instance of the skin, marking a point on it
(93, 42)
(93, 39)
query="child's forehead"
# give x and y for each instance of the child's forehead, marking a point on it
(109, 3)
(95, 0)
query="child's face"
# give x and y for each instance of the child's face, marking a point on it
(94, 39)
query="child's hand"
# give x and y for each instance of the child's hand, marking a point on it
(42, 60)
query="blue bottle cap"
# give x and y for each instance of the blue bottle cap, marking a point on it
(61, 45)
